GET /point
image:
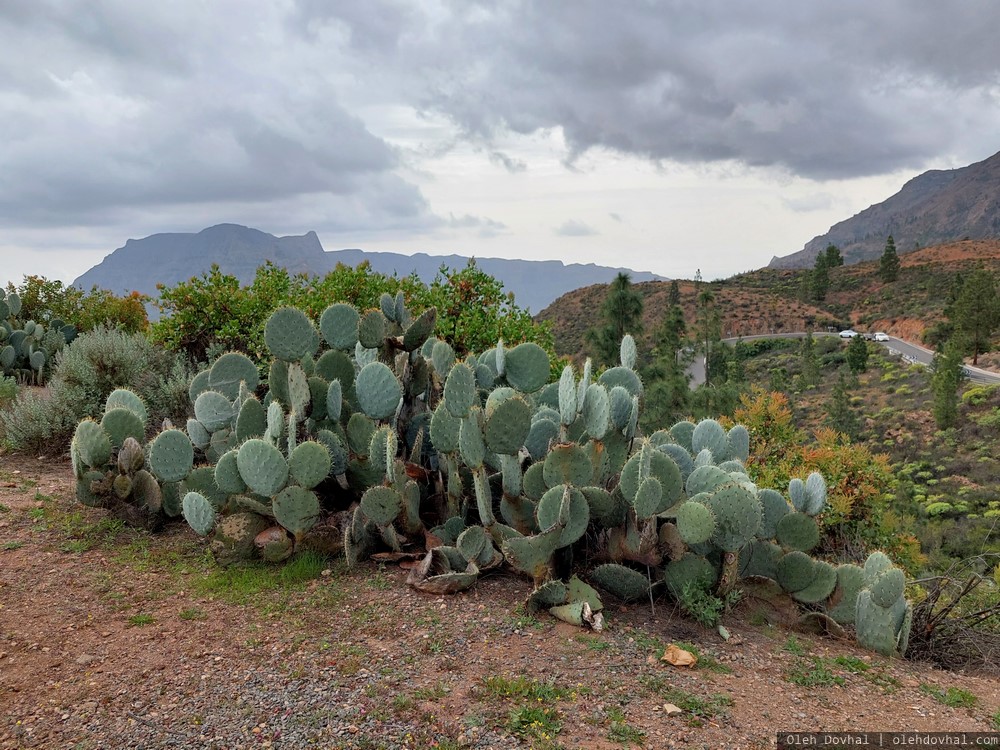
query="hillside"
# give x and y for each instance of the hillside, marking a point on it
(745, 309)
(169, 258)
(768, 300)
(935, 207)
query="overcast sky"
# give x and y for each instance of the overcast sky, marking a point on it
(661, 136)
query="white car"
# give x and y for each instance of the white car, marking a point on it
(881, 336)
(848, 334)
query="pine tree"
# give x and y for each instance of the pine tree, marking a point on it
(857, 355)
(833, 256)
(888, 267)
(621, 313)
(668, 392)
(976, 311)
(709, 330)
(674, 297)
(810, 360)
(820, 279)
(840, 414)
(947, 377)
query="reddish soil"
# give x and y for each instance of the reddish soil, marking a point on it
(107, 634)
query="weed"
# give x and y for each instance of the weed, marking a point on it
(192, 613)
(995, 720)
(527, 689)
(793, 646)
(647, 642)
(704, 606)
(698, 707)
(36, 514)
(540, 722)
(814, 674)
(12, 545)
(705, 661)
(621, 732)
(242, 584)
(380, 581)
(953, 697)
(593, 643)
(852, 664)
(139, 620)
(4, 508)
(401, 703)
(434, 693)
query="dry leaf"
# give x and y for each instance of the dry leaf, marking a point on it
(679, 657)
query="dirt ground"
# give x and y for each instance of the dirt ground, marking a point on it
(114, 638)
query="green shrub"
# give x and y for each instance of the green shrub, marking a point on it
(43, 300)
(85, 373)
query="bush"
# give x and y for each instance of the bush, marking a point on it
(85, 373)
(44, 300)
(8, 390)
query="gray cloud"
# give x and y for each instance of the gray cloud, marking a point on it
(811, 202)
(835, 90)
(119, 111)
(574, 228)
(116, 113)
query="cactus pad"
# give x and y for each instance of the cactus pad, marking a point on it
(378, 391)
(199, 513)
(795, 571)
(507, 425)
(551, 505)
(695, 522)
(227, 474)
(460, 390)
(567, 463)
(229, 371)
(126, 399)
(309, 464)
(262, 467)
(289, 334)
(171, 456)
(710, 434)
(527, 367)
(626, 584)
(296, 509)
(823, 583)
(797, 531)
(339, 325)
(213, 410)
(691, 570)
(121, 424)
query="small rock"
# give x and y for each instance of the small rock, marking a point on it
(84, 659)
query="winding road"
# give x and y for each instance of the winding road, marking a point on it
(908, 351)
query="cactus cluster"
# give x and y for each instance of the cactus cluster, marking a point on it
(28, 348)
(370, 435)
(113, 470)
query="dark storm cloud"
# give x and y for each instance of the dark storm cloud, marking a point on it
(825, 90)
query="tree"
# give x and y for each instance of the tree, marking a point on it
(810, 361)
(857, 355)
(668, 393)
(621, 313)
(819, 281)
(947, 377)
(841, 415)
(708, 330)
(674, 297)
(976, 312)
(833, 256)
(888, 267)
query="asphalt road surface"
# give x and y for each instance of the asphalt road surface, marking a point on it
(908, 351)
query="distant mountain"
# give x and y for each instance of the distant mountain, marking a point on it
(170, 258)
(935, 207)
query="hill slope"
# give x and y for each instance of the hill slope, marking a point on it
(169, 258)
(768, 300)
(934, 207)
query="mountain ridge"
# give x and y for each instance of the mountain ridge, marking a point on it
(937, 206)
(169, 258)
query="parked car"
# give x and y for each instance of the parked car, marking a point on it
(848, 334)
(881, 336)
